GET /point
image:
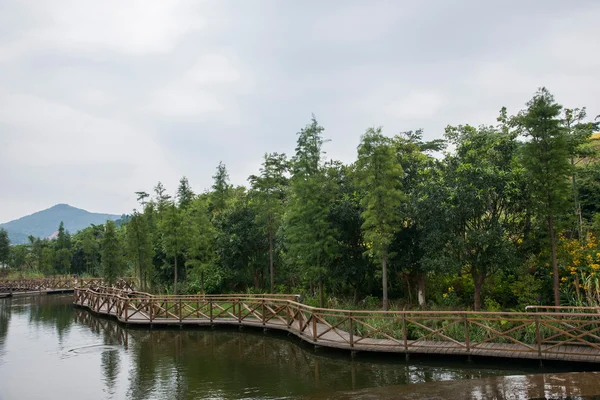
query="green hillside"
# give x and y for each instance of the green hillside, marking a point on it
(44, 223)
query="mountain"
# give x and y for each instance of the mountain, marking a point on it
(44, 223)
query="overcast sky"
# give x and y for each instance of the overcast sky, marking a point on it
(99, 99)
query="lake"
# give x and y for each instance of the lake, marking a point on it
(51, 350)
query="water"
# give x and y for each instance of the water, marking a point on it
(51, 350)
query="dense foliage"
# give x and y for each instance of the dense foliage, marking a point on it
(496, 216)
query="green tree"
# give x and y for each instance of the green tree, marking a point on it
(379, 174)
(4, 247)
(310, 237)
(139, 247)
(411, 245)
(185, 195)
(173, 237)
(112, 254)
(221, 190)
(546, 158)
(270, 189)
(63, 250)
(201, 247)
(487, 198)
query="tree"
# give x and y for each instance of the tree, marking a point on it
(411, 242)
(546, 158)
(139, 246)
(487, 200)
(310, 237)
(4, 247)
(162, 198)
(351, 265)
(221, 190)
(270, 189)
(379, 174)
(580, 148)
(185, 195)
(63, 250)
(112, 254)
(173, 237)
(201, 238)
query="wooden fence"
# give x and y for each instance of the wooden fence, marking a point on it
(57, 283)
(559, 334)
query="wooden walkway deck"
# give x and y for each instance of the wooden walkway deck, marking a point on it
(560, 335)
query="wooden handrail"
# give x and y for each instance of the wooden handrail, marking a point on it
(530, 334)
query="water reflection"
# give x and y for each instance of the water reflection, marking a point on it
(77, 352)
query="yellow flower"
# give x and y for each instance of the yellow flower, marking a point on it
(445, 295)
(564, 279)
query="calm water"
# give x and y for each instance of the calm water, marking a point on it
(48, 349)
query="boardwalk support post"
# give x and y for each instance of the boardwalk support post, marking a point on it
(538, 336)
(405, 335)
(314, 323)
(351, 330)
(467, 341)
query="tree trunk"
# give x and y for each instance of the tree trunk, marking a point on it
(256, 280)
(356, 294)
(175, 279)
(554, 261)
(202, 283)
(386, 304)
(311, 287)
(321, 294)
(271, 267)
(477, 296)
(421, 289)
(409, 287)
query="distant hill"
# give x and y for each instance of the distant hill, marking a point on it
(44, 223)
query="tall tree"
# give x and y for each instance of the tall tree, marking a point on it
(201, 237)
(162, 199)
(546, 157)
(270, 188)
(487, 199)
(310, 237)
(139, 246)
(4, 247)
(221, 189)
(410, 241)
(112, 254)
(185, 195)
(379, 174)
(63, 250)
(173, 238)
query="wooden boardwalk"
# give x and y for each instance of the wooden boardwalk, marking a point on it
(563, 334)
(59, 284)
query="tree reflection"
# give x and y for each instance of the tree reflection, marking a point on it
(226, 363)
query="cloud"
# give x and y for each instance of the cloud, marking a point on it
(416, 105)
(99, 99)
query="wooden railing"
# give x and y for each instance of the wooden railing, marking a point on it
(557, 335)
(58, 283)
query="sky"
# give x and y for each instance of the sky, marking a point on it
(99, 99)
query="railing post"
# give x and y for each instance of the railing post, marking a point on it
(151, 304)
(467, 341)
(180, 318)
(405, 333)
(263, 313)
(351, 330)
(126, 302)
(314, 323)
(239, 310)
(538, 335)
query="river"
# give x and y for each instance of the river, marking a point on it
(51, 350)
